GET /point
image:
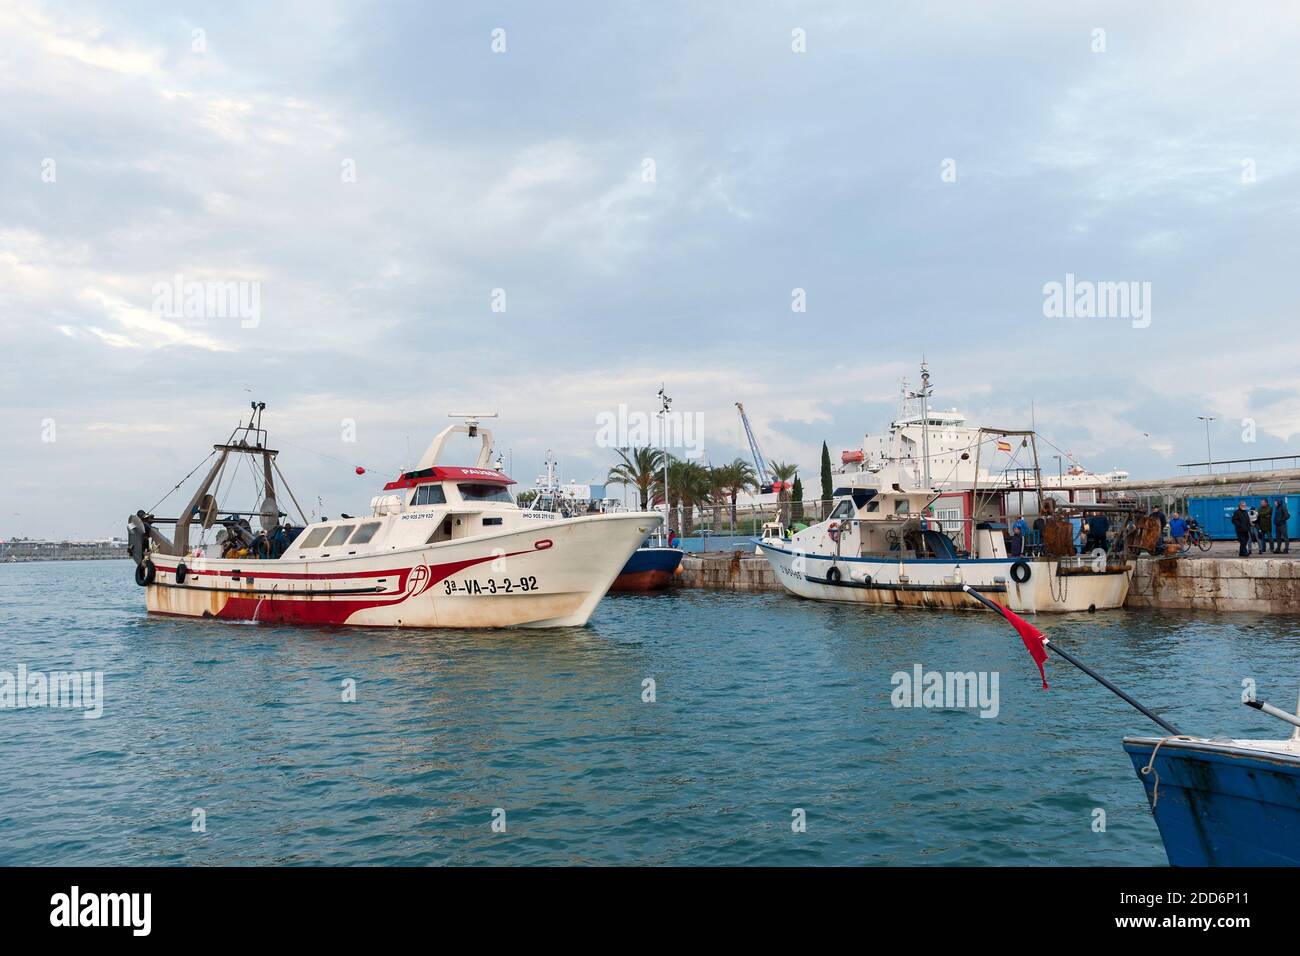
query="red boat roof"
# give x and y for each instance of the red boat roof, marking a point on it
(485, 476)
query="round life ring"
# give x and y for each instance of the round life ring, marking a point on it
(144, 573)
(833, 529)
(1020, 572)
(833, 575)
(181, 571)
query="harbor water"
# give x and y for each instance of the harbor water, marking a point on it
(235, 744)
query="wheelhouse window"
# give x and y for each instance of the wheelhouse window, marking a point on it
(482, 492)
(843, 510)
(314, 537)
(901, 506)
(429, 495)
(364, 533)
(338, 535)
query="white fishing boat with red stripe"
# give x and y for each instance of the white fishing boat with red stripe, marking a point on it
(443, 546)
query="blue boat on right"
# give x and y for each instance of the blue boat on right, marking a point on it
(1224, 802)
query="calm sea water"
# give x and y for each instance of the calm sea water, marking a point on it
(764, 704)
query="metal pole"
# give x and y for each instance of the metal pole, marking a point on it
(1048, 645)
(925, 423)
(664, 403)
(1209, 456)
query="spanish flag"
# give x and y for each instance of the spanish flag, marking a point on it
(1004, 446)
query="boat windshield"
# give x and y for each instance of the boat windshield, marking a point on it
(477, 492)
(843, 510)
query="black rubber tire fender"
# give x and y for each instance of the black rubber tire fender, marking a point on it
(145, 573)
(1021, 572)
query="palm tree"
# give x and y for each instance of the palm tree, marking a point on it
(784, 473)
(737, 477)
(716, 494)
(639, 470)
(687, 488)
(692, 480)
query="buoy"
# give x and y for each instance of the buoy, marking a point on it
(360, 470)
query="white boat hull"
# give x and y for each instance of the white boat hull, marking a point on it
(938, 583)
(547, 575)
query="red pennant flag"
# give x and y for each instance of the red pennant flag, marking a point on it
(1034, 640)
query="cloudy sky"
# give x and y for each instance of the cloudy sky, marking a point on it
(642, 187)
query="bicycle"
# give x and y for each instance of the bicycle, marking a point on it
(1195, 536)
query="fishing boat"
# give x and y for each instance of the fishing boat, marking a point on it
(1224, 802)
(652, 567)
(899, 536)
(443, 546)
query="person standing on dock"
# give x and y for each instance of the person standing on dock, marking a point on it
(1282, 534)
(1241, 522)
(1177, 528)
(1265, 523)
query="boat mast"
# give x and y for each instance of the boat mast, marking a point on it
(924, 393)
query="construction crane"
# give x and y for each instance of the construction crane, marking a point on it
(767, 482)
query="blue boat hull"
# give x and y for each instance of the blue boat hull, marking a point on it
(649, 569)
(1220, 804)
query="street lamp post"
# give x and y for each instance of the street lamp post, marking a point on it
(1209, 457)
(664, 404)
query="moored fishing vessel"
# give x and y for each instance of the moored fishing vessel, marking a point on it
(652, 567)
(444, 546)
(887, 543)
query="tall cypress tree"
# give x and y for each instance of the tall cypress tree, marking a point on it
(796, 504)
(827, 488)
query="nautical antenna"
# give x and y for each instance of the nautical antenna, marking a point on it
(472, 419)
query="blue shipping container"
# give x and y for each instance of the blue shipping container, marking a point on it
(1215, 514)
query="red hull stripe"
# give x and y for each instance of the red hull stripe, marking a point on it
(327, 610)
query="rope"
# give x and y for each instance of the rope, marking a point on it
(1150, 768)
(182, 481)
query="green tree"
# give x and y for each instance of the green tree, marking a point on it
(828, 490)
(796, 508)
(734, 478)
(688, 488)
(716, 498)
(640, 469)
